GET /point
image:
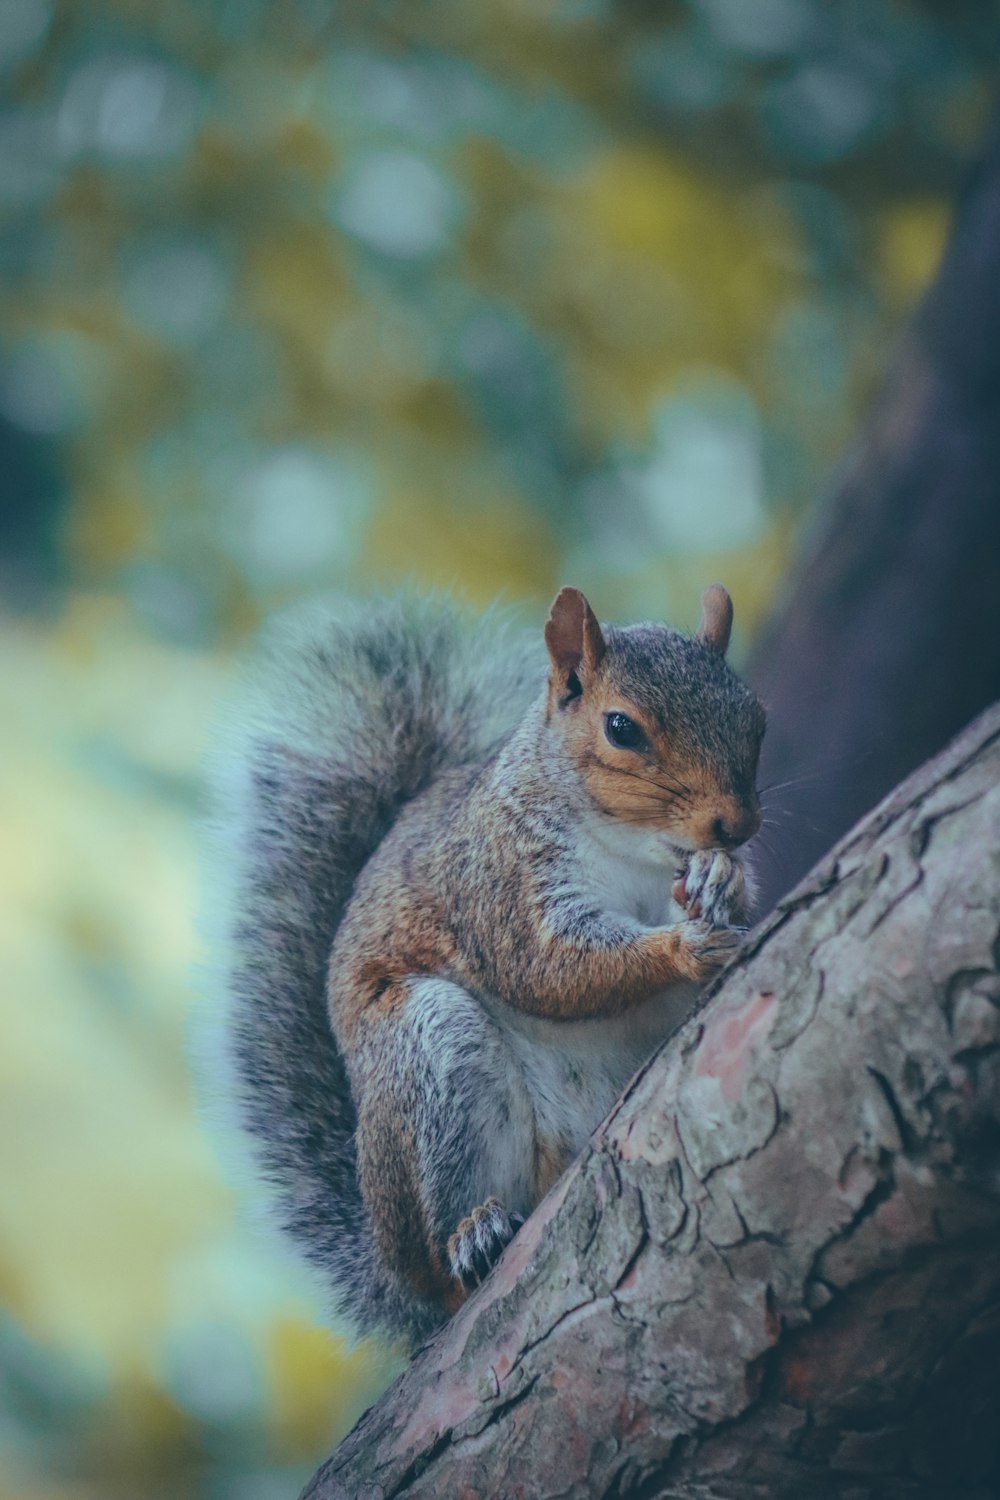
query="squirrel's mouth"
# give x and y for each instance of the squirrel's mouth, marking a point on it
(678, 845)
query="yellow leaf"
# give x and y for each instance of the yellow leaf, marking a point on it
(910, 243)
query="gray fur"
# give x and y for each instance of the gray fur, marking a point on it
(349, 714)
(686, 683)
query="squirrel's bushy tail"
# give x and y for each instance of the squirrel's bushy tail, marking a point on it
(350, 712)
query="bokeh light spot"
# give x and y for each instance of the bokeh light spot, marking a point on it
(399, 204)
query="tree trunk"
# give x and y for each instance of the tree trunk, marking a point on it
(776, 1270)
(888, 641)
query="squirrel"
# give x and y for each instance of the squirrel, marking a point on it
(473, 885)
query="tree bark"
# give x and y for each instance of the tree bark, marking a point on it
(776, 1270)
(887, 642)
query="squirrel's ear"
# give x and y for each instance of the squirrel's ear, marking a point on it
(716, 618)
(574, 638)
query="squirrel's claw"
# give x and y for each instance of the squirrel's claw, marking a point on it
(713, 888)
(707, 948)
(479, 1241)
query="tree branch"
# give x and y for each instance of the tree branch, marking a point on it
(775, 1271)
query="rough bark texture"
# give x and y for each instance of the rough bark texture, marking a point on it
(776, 1271)
(887, 642)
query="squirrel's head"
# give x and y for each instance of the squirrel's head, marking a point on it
(663, 733)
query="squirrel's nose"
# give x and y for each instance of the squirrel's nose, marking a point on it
(735, 829)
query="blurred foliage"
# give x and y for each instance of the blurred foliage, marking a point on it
(301, 294)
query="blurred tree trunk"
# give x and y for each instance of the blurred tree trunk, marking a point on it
(888, 640)
(776, 1269)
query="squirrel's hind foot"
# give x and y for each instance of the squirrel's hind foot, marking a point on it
(479, 1241)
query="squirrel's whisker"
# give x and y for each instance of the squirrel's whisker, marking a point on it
(793, 781)
(683, 792)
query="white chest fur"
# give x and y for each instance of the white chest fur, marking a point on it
(575, 1070)
(628, 872)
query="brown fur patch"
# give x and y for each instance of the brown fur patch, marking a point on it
(552, 1157)
(574, 980)
(426, 1275)
(407, 938)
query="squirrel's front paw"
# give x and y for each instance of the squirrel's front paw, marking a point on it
(703, 949)
(713, 888)
(479, 1240)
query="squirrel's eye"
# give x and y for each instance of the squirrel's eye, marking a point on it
(624, 732)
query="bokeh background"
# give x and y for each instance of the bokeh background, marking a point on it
(299, 295)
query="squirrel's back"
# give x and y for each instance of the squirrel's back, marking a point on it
(350, 712)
